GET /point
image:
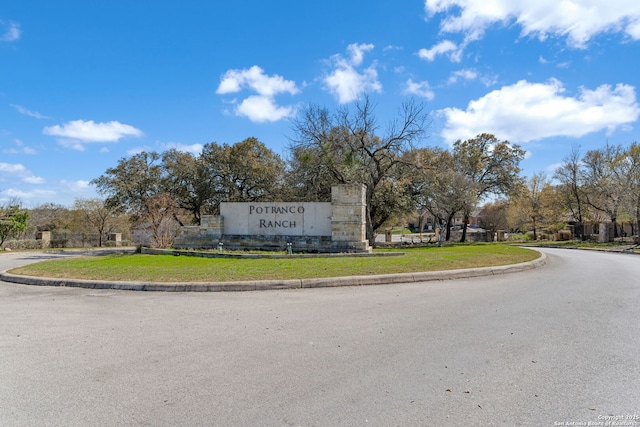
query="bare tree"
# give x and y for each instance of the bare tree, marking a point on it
(493, 216)
(605, 181)
(161, 213)
(351, 147)
(632, 195)
(571, 177)
(97, 214)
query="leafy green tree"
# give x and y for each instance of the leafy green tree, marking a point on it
(438, 186)
(186, 178)
(131, 183)
(306, 178)
(537, 207)
(13, 220)
(490, 167)
(247, 171)
(351, 148)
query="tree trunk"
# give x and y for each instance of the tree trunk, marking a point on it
(448, 232)
(371, 236)
(637, 221)
(614, 220)
(465, 221)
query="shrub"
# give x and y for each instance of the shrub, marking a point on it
(564, 235)
(58, 243)
(518, 237)
(23, 244)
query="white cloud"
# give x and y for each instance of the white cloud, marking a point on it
(13, 193)
(357, 51)
(26, 112)
(489, 80)
(467, 74)
(345, 82)
(63, 192)
(194, 149)
(20, 148)
(446, 47)
(553, 167)
(89, 131)
(11, 32)
(421, 89)
(261, 107)
(72, 144)
(137, 150)
(75, 187)
(18, 171)
(530, 111)
(578, 21)
(33, 180)
(254, 78)
(11, 168)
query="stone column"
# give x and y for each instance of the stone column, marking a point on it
(45, 237)
(606, 233)
(214, 225)
(348, 218)
(116, 238)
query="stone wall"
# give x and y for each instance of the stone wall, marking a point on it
(317, 227)
(277, 218)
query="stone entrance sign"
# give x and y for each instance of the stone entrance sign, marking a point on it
(339, 226)
(280, 219)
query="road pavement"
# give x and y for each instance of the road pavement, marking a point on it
(551, 346)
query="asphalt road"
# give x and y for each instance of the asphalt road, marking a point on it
(552, 346)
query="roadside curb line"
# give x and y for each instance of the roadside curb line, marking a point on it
(261, 285)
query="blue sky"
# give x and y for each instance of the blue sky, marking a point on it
(84, 84)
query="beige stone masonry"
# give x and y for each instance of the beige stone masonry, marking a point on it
(345, 226)
(349, 213)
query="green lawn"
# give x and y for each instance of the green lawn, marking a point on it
(167, 268)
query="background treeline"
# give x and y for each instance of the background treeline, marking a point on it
(476, 180)
(87, 223)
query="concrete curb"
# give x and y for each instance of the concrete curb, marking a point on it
(261, 285)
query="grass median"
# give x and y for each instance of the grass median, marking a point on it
(167, 268)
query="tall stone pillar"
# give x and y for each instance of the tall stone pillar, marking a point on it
(45, 239)
(349, 218)
(606, 232)
(116, 238)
